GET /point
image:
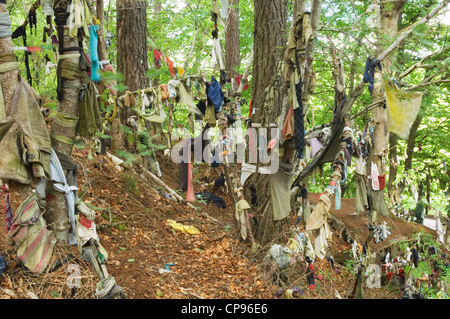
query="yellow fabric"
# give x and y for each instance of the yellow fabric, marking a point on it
(183, 228)
(402, 108)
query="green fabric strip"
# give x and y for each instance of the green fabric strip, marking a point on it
(62, 139)
(65, 120)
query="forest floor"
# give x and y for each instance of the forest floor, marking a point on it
(151, 260)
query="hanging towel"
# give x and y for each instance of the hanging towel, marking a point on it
(402, 108)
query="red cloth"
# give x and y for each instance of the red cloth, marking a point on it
(85, 222)
(170, 64)
(157, 55)
(288, 129)
(238, 81)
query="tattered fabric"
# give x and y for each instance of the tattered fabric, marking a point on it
(24, 139)
(402, 108)
(30, 236)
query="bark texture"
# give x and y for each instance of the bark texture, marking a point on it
(132, 59)
(390, 13)
(270, 37)
(232, 56)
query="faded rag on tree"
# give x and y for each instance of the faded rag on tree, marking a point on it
(402, 109)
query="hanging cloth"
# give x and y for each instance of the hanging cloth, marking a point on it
(280, 186)
(93, 44)
(241, 217)
(80, 17)
(157, 58)
(374, 177)
(369, 71)
(402, 108)
(29, 235)
(298, 115)
(217, 55)
(24, 138)
(170, 65)
(215, 94)
(60, 184)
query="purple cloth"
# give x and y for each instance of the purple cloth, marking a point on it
(316, 145)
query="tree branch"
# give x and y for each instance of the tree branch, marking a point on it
(419, 64)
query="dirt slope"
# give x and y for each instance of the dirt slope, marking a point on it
(151, 260)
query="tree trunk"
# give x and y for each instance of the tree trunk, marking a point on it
(8, 82)
(269, 41)
(56, 209)
(389, 15)
(101, 48)
(132, 59)
(232, 58)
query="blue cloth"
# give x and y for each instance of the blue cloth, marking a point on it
(215, 94)
(369, 71)
(2, 264)
(93, 43)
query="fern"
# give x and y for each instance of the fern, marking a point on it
(127, 157)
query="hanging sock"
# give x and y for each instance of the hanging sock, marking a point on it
(93, 43)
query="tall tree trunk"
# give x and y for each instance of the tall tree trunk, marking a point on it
(132, 59)
(56, 210)
(232, 57)
(101, 48)
(269, 41)
(389, 15)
